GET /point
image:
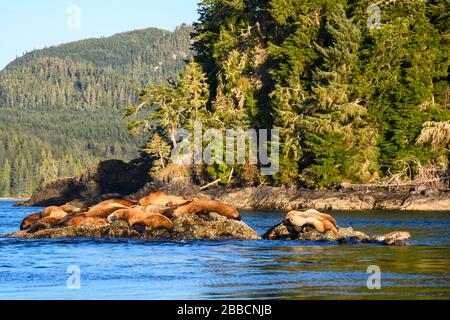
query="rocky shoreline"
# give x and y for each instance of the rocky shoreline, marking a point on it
(116, 179)
(272, 198)
(275, 198)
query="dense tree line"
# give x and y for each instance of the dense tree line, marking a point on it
(354, 100)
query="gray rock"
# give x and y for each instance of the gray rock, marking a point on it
(343, 235)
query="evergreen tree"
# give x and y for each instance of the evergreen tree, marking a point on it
(6, 179)
(338, 139)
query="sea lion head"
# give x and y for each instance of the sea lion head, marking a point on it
(28, 221)
(111, 218)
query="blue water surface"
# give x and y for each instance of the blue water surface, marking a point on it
(205, 269)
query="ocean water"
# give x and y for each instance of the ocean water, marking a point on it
(204, 269)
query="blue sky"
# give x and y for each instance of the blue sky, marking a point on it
(26, 25)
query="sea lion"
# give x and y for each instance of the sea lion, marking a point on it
(53, 211)
(80, 219)
(104, 210)
(126, 203)
(161, 199)
(43, 220)
(323, 215)
(298, 222)
(29, 220)
(327, 221)
(207, 206)
(69, 208)
(135, 216)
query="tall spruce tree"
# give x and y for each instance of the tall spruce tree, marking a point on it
(339, 142)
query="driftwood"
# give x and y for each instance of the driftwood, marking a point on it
(397, 185)
(210, 184)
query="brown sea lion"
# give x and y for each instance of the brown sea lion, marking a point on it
(161, 199)
(47, 219)
(126, 203)
(135, 216)
(53, 211)
(207, 206)
(104, 210)
(69, 208)
(80, 219)
(29, 220)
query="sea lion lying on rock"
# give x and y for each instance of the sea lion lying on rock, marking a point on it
(310, 226)
(69, 208)
(43, 220)
(161, 199)
(206, 206)
(135, 216)
(320, 221)
(70, 215)
(96, 215)
(29, 220)
(80, 219)
(104, 211)
(123, 202)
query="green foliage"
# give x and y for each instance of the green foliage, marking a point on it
(405, 80)
(349, 101)
(338, 139)
(164, 110)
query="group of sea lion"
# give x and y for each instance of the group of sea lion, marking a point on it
(153, 210)
(299, 221)
(157, 210)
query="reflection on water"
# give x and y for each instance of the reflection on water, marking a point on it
(134, 269)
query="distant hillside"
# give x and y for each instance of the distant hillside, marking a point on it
(60, 107)
(94, 72)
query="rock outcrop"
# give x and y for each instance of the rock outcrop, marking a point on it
(312, 225)
(189, 226)
(343, 235)
(110, 179)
